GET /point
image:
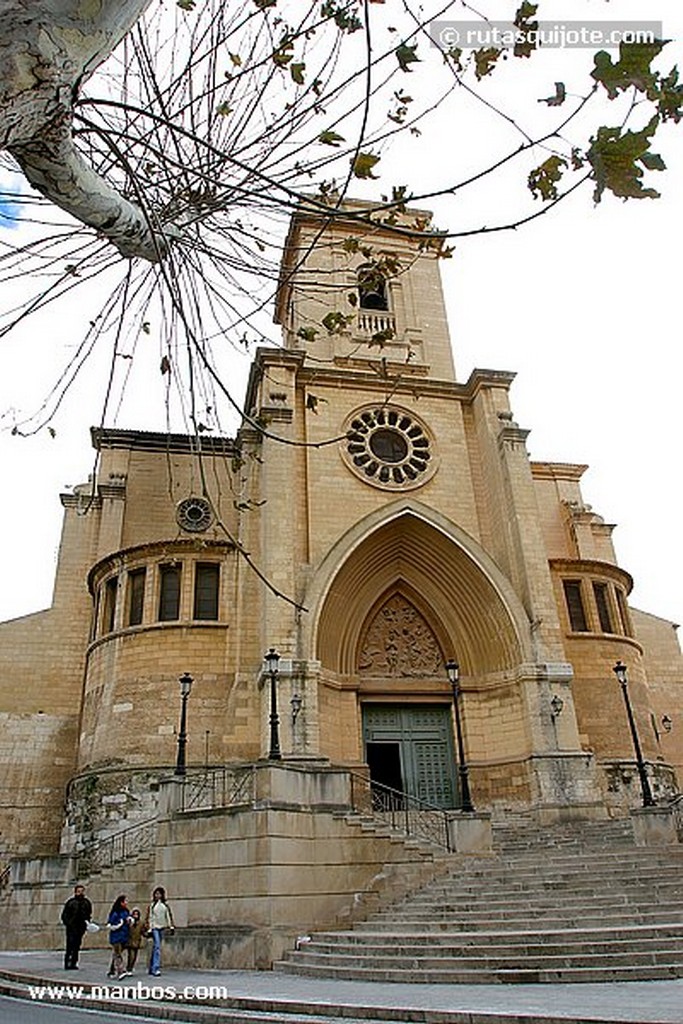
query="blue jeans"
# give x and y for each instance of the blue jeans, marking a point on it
(155, 958)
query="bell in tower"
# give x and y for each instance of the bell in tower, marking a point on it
(372, 289)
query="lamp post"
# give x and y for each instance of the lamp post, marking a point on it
(271, 659)
(648, 799)
(186, 682)
(453, 670)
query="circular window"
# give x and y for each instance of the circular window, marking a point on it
(389, 448)
(194, 515)
(389, 445)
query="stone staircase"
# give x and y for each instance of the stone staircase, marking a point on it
(560, 904)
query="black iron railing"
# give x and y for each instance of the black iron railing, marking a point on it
(400, 811)
(218, 787)
(118, 847)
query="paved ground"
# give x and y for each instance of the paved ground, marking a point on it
(648, 1002)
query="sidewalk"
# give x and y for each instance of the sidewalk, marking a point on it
(293, 998)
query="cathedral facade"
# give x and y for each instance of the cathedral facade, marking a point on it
(373, 519)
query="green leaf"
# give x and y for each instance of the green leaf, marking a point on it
(379, 337)
(527, 28)
(336, 323)
(297, 73)
(283, 54)
(339, 13)
(236, 59)
(406, 55)
(615, 157)
(558, 99)
(632, 69)
(306, 333)
(485, 61)
(653, 162)
(670, 98)
(543, 180)
(330, 138)
(187, 5)
(363, 164)
(224, 109)
(312, 402)
(454, 55)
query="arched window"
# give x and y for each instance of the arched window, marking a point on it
(372, 289)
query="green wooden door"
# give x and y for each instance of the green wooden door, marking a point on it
(412, 744)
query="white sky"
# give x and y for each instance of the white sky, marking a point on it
(584, 304)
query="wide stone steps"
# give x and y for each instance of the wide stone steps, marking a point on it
(590, 911)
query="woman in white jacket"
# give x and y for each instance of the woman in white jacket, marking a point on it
(159, 919)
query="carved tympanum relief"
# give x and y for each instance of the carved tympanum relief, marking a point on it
(399, 642)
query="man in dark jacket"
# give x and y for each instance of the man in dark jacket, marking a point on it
(76, 913)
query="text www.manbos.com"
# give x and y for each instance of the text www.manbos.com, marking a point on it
(127, 993)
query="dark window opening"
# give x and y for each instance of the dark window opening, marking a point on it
(206, 582)
(602, 602)
(110, 591)
(169, 593)
(389, 445)
(136, 596)
(575, 609)
(372, 289)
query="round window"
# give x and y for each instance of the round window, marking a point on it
(194, 515)
(389, 448)
(388, 445)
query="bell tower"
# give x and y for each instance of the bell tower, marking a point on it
(357, 292)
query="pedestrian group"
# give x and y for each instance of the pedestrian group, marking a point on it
(127, 931)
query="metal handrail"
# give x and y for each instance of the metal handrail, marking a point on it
(5, 876)
(401, 811)
(219, 787)
(117, 847)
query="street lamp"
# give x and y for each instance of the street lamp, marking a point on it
(185, 681)
(271, 659)
(648, 800)
(453, 670)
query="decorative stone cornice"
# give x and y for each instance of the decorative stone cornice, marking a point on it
(104, 438)
(593, 567)
(169, 549)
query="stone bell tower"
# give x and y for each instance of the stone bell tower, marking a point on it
(406, 519)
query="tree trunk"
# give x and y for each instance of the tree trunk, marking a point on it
(47, 49)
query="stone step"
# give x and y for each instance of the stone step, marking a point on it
(485, 976)
(637, 936)
(488, 961)
(551, 920)
(458, 890)
(531, 902)
(580, 865)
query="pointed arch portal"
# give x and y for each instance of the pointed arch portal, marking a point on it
(449, 589)
(404, 597)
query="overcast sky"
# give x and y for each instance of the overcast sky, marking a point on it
(583, 304)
